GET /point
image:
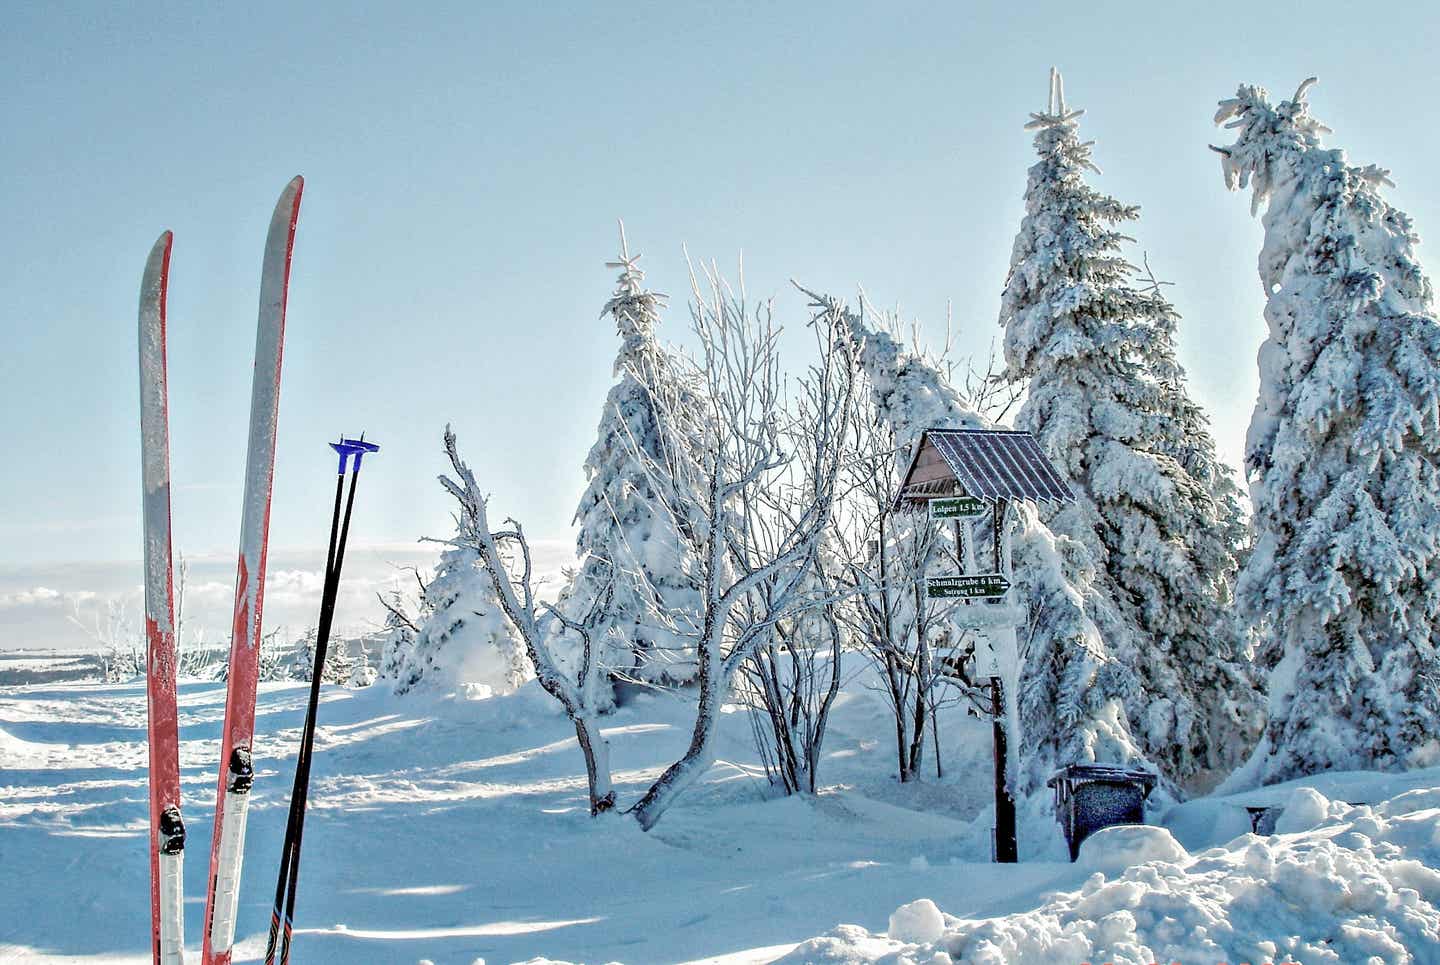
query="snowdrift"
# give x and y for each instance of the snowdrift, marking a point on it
(1338, 883)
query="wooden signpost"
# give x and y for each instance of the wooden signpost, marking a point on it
(968, 476)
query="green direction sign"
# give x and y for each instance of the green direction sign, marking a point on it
(981, 585)
(958, 507)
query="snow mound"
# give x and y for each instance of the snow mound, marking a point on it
(918, 923)
(1306, 810)
(1344, 884)
(1112, 850)
(1423, 799)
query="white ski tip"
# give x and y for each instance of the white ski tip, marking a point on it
(153, 285)
(282, 226)
(288, 196)
(155, 263)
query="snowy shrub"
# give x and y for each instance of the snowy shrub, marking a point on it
(789, 685)
(363, 675)
(465, 637)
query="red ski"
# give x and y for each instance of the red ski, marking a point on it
(167, 831)
(232, 801)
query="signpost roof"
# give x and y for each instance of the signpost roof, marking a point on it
(988, 463)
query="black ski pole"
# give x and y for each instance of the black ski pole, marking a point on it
(284, 875)
(299, 805)
(286, 885)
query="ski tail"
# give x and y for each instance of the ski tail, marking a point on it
(227, 846)
(167, 830)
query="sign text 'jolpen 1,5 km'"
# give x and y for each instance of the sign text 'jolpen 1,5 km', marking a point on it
(958, 507)
(966, 587)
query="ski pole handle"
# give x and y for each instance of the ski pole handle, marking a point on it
(352, 447)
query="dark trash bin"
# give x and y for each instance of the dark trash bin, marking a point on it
(1089, 797)
(1263, 818)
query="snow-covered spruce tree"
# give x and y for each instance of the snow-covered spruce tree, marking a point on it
(648, 630)
(465, 638)
(1106, 400)
(1071, 692)
(1343, 455)
(302, 656)
(339, 663)
(1186, 437)
(402, 626)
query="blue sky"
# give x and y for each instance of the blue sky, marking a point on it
(465, 165)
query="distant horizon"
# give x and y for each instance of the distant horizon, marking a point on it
(37, 603)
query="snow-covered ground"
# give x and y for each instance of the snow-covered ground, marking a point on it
(454, 830)
(45, 666)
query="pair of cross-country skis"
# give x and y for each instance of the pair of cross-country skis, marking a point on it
(167, 829)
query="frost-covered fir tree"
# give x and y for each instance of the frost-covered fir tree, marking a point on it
(1071, 690)
(398, 637)
(628, 535)
(302, 658)
(1343, 454)
(339, 662)
(1186, 437)
(1107, 402)
(465, 639)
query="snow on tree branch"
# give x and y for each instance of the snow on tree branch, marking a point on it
(1342, 455)
(582, 692)
(755, 495)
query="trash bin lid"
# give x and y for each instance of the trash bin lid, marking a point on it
(1110, 773)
